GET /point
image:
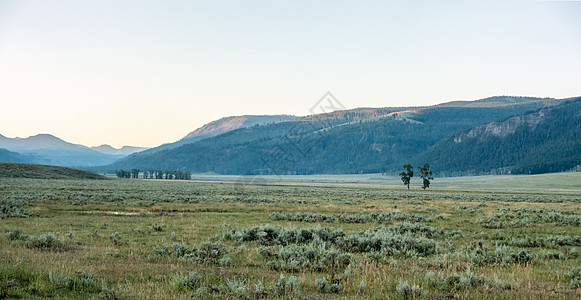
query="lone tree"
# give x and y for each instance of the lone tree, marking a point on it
(407, 174)
(426, 175)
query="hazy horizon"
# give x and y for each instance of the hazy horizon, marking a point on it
(144, 73)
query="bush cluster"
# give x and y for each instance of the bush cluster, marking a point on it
(454, 282)
(524, 218)
(480, 255)
(10, 208)
(277, 235)
(348, 218)
(80, 281)
(470, 208)
(209, 252)
(410, 239)
(296, 258)
(47, 241)
(551, 241)
(574, 277)
(388, 242)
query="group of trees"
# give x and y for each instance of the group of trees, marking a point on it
(134, 173)
(154, 174)
(159, 174)
(408, 172)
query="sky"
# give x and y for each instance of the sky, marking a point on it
(144, 73)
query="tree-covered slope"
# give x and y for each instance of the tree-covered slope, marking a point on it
(547, 140)
(354, 141)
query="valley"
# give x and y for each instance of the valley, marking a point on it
(351, 236)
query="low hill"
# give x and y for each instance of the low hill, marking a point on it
(18, 170)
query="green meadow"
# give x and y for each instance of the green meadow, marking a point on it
(305, 237)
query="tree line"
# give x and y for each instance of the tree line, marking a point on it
(408, 172)
(154, 174)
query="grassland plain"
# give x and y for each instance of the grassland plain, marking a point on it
(152, 239)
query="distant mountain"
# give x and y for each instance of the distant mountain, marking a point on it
(51, 150)
(546, 140)
(362, 140)
(223, 125)
(39, 141)
(125, 150)
(9, 156)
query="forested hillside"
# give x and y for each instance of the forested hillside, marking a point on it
(353, 141)
(547, 140)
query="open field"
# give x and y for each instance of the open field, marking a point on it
(569, 182)
(510, 237)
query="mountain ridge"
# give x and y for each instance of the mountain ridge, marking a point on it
(361, 140)
(51, 150)
(125, 150)
(221, 126)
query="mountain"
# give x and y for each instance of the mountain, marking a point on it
(223, 125)
(125, 150)
(51, 150)
(9, 156)
(546, 140)
(232, 123)
(39, 141)
(362, 140)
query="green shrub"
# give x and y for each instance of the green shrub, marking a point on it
(13, 209)
(417, 291)
(404, 289)
(277, 235)
(574, 277)
(480, 255)
(179, 249)
(16, 235)
(362, 287)
(115, 238)
(188, 281)
(80, 281)
(46, 242)
(389, 242)
(296, 258)
(454, 282)
(60, 279)
(260, 290)
(323, 285)
(84, 280)
(236, 288)
(209, 252)
(158, 227)
(287, 287)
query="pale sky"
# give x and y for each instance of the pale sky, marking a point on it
(144, 73)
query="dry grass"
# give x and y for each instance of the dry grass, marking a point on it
(133, 270)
